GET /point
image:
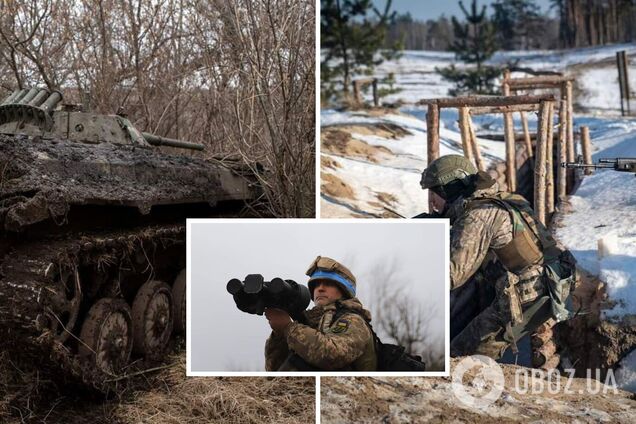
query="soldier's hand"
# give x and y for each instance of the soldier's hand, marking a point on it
(278, 319)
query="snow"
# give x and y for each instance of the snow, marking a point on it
(414, 73)
(626, 373)
(604, 208)
(600, 89)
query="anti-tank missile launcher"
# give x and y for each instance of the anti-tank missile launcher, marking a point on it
(254, 294)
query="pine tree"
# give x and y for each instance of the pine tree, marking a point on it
(474, 44)
(352, 38)
(518, 24)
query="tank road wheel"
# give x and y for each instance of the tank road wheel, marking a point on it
(107, 336)
(179, 295)
(152, 315)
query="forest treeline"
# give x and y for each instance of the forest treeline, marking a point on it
(523, 25)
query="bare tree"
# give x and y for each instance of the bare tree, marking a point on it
(405, 319)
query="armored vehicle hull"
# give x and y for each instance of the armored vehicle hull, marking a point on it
(92, 242)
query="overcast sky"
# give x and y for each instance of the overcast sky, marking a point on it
(226, 339)
(433, 9)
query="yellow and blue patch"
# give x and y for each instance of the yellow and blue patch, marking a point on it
(341, 326)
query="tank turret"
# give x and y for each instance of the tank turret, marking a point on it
(32, 112)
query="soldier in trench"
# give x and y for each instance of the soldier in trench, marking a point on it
(536, 274)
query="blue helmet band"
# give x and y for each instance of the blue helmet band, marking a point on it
(330, 275)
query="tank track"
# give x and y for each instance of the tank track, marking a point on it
(47, 287)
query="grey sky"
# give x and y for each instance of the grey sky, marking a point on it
(226, 339)
(433, 9)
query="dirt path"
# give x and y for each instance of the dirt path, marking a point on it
(418, 399)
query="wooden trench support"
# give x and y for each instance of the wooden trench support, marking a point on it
(359, 83)
(506, 105)
(560, 83)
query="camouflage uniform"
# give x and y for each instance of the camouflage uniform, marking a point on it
(534, 275)
(326, 342)
(482, 223)
(345, 344)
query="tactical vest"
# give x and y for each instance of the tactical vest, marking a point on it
(531, 244)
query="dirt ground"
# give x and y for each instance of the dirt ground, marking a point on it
(165, 396)
(339, 141)
(421, 399)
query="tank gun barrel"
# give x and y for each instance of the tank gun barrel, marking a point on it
(156, 140)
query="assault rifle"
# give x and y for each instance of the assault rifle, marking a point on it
(617, 164)
(254, 294)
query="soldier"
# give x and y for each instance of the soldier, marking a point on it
(534, 276)
(336, 334)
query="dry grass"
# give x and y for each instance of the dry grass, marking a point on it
(165, 397)
(335, 187)
(222, 399)
(340, 142)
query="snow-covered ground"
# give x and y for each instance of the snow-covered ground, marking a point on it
(604, 207)
(415, 76)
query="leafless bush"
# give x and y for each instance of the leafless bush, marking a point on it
(236, 75)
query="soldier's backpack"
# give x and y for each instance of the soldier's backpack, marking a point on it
(390, 357)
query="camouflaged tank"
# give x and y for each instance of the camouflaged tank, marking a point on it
(92, 219)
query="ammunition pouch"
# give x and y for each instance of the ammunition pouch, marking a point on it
(560, 279)
(508, 301)
(531, 286)
(521, 252)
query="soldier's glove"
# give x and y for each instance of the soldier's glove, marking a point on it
(278, 319)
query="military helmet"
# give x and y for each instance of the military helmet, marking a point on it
(324, 268)
(447, 169)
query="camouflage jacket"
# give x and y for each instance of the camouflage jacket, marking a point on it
(345, 343)
(477, 231)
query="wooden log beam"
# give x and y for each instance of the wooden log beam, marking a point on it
(376, 98)
(535, 86)
(543, 79)
(549, 184)
(475, 145)
(504, 109)
(562, 154)
(569, 123)
(357, 98)
(540, 161)
(586, 148)
(472, 101)
(432, 135)
(365, 80)
(526, 134)
(464, 128)
(509, 137)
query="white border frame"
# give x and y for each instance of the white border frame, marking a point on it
(351, 221)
